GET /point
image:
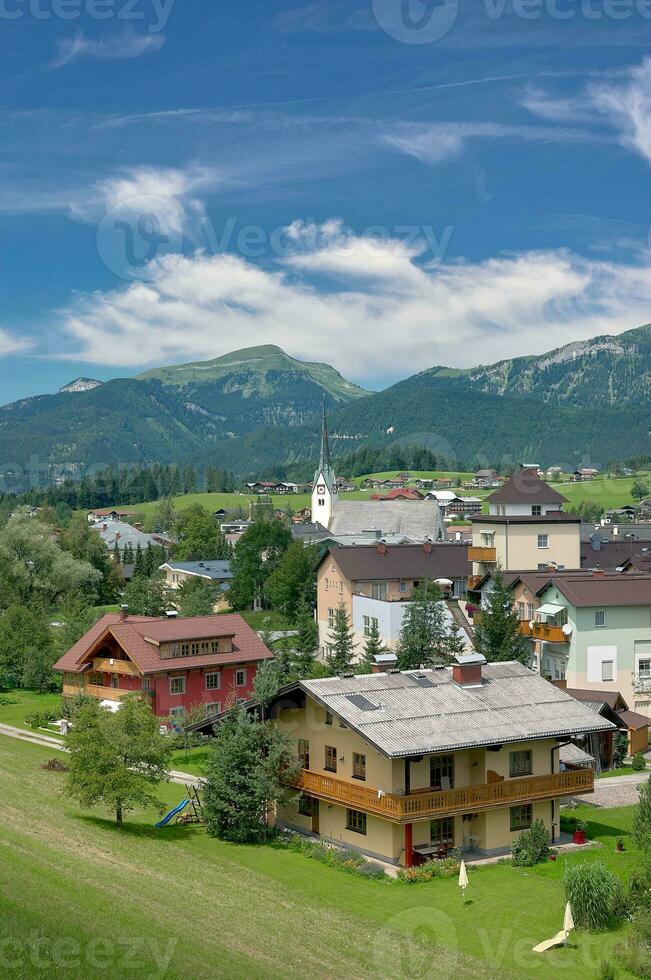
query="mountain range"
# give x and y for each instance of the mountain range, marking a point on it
(260, 408)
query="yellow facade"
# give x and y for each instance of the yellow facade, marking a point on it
(529, 545)
(482, 827)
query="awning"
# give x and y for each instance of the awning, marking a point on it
(550, 609)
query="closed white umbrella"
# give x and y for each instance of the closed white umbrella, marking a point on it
(463, 879)
(568, 921)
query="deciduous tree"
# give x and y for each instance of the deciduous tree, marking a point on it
(497, 636)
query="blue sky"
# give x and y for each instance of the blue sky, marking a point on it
(382, 184)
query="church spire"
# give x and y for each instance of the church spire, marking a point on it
(324, 458)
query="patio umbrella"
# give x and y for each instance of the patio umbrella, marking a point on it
(568, 921)
(561, 937)
(463, 879)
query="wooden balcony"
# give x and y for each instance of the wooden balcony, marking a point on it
(94, 691)
(480, 553)
(443, 803)
(110, 665)
(553, 634)
(473, 581)
(524, 629)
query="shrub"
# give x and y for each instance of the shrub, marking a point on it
(444, 868)
(606, 970)
(370, 869)
(532, 845)
(54, 765)
(595, 894)
(639, 762)
(40, 719)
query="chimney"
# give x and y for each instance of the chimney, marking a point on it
(383, 663)
(467, 671)
(381, 548)
(171, 613)
(597, 573)
(427, 547)
(124, 612)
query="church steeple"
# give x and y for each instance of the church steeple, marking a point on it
(324, 490)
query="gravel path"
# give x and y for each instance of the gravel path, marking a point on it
(615, 791)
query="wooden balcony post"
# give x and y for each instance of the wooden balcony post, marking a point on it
(409, 845)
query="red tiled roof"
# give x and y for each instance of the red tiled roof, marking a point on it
(130, 635)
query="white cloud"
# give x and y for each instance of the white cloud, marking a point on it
(368, 308)
(624, 104)
(125, 45)
(10, 344)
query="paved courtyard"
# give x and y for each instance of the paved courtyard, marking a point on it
(614, 791)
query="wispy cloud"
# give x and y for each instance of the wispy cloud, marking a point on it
(623, 104)
(122, 46)
(353, 298)
(11, 344)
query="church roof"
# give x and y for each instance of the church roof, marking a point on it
(416, 519)
(325, 468)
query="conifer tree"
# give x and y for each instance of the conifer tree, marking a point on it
(455, 643)
(139, 566)
(340, 642)
(497, 636)
(373, 645)
(423, 633)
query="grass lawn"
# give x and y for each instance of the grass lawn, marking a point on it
(217, 909)
(190, 760)
(27, 703)
(624, 771)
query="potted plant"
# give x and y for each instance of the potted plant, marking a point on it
(619, 846)
(578, 837)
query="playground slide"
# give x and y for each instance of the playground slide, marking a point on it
(170, 816)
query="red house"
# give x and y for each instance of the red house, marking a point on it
(178, 663)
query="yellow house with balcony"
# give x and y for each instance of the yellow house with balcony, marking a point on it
(404, 766)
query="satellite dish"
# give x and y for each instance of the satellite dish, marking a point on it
(567, 629)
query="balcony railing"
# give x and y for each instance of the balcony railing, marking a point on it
(524, 628)
(473, 581)
(434, 803)
(642, 683)
(94, 691)
(481, 553)
(553, 634)
(110, 665)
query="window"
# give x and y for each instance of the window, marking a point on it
(403, 586)
(543, 541)
(536, 510)
(521, 816)
(378, 590)
(331, 618)
(522, 611)
(115, 681)
(177, 685)
(185, 649)
(520, 763)
(441, 772)
(607, 670)
(96, 678)
(356, 820)
(644, 668)
(600, 617)
(359, 765)
(240, 678)
(213, 708)
(328, 720)
(330, 758)
(442, 831)
(307, 805)
(370, 623)
(194, 649)
(213, 681)
(147, 685)
(177, 712)
(304, 753)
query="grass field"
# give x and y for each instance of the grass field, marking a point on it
(80, 898)
(27, 702)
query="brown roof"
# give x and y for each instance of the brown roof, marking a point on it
(611, 698)
(526, 487)
(131, 635)
(444, 560)
(606, 589)
(634, 720)
(551, 517)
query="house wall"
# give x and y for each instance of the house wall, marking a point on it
(332, 589)
(388, 614)
(517, 548)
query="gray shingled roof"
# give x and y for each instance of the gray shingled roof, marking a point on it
(419, 712)
(416, 519)
(205, 569)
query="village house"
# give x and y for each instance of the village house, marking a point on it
(176, 663)
(524, 528)
(404, 766)
(217, 573)
(583, 474)
(374, 582)
(486, 478)
(116, 533)
(101, 513)
(611, 706)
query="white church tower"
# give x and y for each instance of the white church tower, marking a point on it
(324, 489)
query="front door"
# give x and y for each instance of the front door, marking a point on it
(315, 816)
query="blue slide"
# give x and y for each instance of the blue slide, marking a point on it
(169, 816)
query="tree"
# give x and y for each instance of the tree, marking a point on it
(423, 633)
(165, 517)
(306, 641)
(256, 556)
(642, 819)
(247, 772)
(267, 682)
(293, 579)
(196, 597)
(139, 565)
(341, 647)
(37, 671)
(497, 636)
(199, 537)
(640, 490)
(23, 630)
(146, 596)
(454, 643)
(117, 759)
(33, 568)
(373, 646)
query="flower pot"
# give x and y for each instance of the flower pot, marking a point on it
(552, 857)
(578, 837)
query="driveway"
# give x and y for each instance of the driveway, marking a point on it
(615, 791)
